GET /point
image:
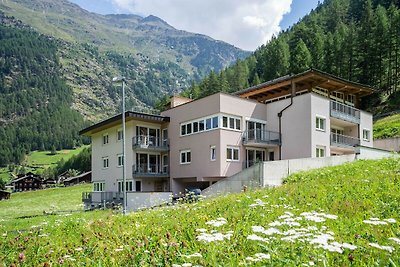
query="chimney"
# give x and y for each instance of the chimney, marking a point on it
(178, 100)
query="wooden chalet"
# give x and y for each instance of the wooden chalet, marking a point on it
(85, 177)
(27, 182)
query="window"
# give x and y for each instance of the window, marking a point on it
(98, 187)
(232, 154)
(120, 135)
(183, 129)
(231, 123)
(366, 134)
(225, 122)
(320, 123)
(186, 157)
(120, 160)
(213, 153)
(138, 186)
(195, 127)
(105, 162)
(129, 186)
(208, 124)
(320, 152)
(215, 122)
(188, 128)
(337, 96)
(105, 139)
(350, 100)
(201, 126)
(237, 124)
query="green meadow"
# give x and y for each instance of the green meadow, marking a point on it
(387, 127)
(339, 216)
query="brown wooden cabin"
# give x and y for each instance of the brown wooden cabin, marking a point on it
(4, 195)
(27, 182)
(85, 177)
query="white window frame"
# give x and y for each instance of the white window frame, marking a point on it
(213, 153)
(368, 133)
(105, 139)
(318, 150)
(184, 126)
(318, 120)
(129, 186)
(98, 186)
(232, 149)
(120, 163)
(233, 123)
(120, 135)
(186, 152)
(106, 162)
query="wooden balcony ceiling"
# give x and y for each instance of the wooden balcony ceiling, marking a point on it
(117, 120)
(304, 81)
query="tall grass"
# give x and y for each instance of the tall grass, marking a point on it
(356, 205)
(387, 127)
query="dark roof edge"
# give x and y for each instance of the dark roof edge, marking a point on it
(288, 77)
(128, 114)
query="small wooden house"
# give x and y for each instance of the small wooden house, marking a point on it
(27, 182)
(4, 195)
(85, 177)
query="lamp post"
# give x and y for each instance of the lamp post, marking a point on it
(122, 79)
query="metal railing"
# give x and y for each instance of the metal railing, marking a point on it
(150, 142)
(151, 170)
(345, 112)
(101, 197)
(261, 137)
(344, 140)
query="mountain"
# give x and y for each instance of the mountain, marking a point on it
(156, 58)
(57, 56)
(358, 40)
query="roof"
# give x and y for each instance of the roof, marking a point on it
(78, 176)
(129, 115)
(26, 177)
(305, 80)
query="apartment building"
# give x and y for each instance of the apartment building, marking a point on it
(194, 144)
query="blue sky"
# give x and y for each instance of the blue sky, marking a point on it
(255, 20)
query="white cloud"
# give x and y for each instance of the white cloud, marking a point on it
(243, 23)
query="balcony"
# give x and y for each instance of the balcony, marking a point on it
(344, 141)
(257, 137)
(150, 170)
(144, 142)
(345, 112)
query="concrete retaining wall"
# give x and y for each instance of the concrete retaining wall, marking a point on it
(373, 153)
(248, 178)
(276, 171)
(143, 200)
(391, 144)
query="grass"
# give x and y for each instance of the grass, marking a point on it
(43, 159)
(387, 127)
(354, 193)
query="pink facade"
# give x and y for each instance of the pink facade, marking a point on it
(196, 143)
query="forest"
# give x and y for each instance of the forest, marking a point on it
(358, 40)
(35, 101)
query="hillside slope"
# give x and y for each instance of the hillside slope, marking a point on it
(156, 58)
(337, 216)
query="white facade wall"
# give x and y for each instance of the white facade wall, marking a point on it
(296, 126)
(320, 107)
(366, 122)
(111, 175)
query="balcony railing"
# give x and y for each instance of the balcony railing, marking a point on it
(150, 170)
(344, 140)
(102, 197)
(261, 137)
(345, 112)
(150, 142)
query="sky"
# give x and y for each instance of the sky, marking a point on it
(245, 24)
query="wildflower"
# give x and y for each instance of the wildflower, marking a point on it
(387, 248)
(395, 239)
(374, 222)
(22, 257)
(390, 220)
(187, 265)
(194, 255)
(218, 222)
(256, 238)
(79, 249)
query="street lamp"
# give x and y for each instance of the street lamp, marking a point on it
(122, 79)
